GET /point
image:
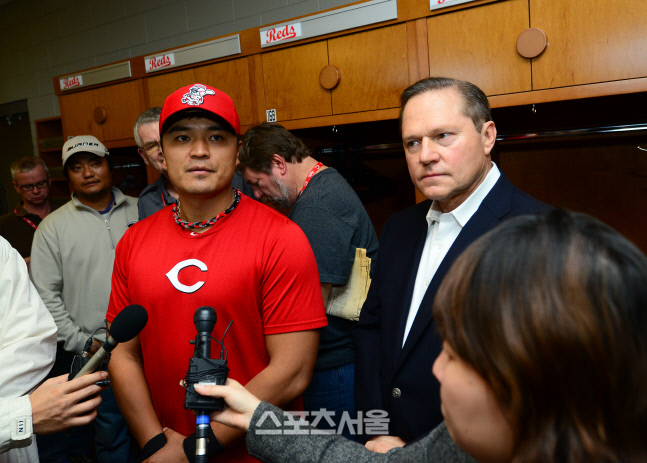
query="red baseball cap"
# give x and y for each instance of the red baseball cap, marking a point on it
(199, 96)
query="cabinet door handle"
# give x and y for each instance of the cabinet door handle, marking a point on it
(100, 114)
(329, 77)
(531, 43)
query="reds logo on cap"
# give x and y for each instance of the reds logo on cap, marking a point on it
(196, 94)
(200, 97)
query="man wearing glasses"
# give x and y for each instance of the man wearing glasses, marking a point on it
(162, 193)
(31, 180)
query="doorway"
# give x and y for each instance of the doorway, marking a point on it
(15, 142)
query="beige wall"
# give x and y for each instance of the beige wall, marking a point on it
(40, 39)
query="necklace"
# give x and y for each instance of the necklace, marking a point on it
(205, 223)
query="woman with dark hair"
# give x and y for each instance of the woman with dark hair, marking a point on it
(544, 321)
(551, 314)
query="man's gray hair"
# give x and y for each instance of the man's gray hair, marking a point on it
(26, 164)
(148, 116)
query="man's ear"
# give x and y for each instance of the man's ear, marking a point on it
(240, 144)
(488, 136)
(279, 163)
(143, 155)
(17, 188)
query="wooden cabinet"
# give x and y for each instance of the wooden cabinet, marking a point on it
(291, 82)
(233, 78)
(594, 48)
(589, 41)
(108, 113)
(77, 113)
(374, 69)
(479, 45)
(161, 86)
(372, 66)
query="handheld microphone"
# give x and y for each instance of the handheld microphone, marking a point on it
(126, 325)
(205, 370)
(202, 368)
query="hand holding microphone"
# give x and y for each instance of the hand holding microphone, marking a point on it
(127, 324)
(58, 404)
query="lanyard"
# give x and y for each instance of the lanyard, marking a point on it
(164, 200)
(33, 225)
(313, 171)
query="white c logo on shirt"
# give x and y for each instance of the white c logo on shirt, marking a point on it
(173, 273)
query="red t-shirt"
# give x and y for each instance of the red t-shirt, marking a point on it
(254, 266)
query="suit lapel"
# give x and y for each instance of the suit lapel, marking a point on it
(495, 206)
(409, 258)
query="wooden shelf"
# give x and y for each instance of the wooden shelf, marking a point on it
(49, 134)
(50, 150)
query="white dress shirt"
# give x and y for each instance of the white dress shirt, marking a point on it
(441, 233)
(27, 349)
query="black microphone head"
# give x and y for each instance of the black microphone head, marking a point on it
(204, 319)
(128, 323)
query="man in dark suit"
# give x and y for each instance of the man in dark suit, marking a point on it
(448, 135)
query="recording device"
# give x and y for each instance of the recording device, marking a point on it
(126, 325)
(202, 368)
(205, 370)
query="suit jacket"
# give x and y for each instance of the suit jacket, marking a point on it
(382, 364)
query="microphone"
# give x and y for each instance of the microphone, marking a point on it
(204, 320)
(205, 370)
(202, 368)
(126, 325)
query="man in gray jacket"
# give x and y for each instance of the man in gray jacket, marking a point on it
(72, 258)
